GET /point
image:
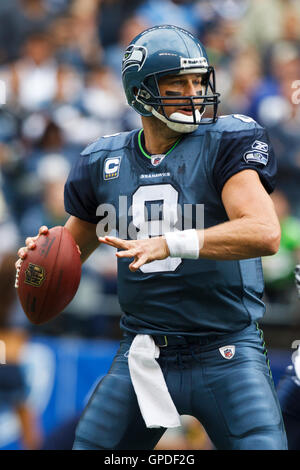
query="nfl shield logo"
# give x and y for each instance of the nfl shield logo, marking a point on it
(227, 351)
(35, 275)
(157, 159)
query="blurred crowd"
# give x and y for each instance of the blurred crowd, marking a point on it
(60, 61)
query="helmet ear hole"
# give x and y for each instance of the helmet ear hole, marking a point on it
(135, 94)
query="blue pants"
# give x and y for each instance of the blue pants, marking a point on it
(289, 398)
(234, 399)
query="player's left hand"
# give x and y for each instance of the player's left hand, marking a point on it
(143, 251)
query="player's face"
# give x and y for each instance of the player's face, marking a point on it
(181, 85)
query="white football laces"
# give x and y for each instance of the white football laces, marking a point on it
(18, 267)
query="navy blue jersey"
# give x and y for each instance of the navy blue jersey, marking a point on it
(179, 296)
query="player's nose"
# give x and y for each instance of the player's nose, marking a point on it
(190, 88)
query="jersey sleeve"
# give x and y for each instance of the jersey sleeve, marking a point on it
(247, 149)
(79, 196)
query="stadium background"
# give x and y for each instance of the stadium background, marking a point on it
(60, 63)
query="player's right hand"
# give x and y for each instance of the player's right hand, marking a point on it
(30, 245)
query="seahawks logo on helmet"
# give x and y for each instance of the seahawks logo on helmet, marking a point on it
(134, 56)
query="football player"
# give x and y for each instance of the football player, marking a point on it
(190, 193)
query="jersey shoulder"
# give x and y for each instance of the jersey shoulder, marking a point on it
(110, 143)
(231, 123)
(235, 123)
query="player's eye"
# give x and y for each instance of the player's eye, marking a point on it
(177, 82)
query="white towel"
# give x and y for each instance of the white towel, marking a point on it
(155, 402)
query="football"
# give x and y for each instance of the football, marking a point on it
(49, 276)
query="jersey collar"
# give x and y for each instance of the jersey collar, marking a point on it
(155, 159)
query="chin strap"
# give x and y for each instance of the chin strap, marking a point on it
(177, 126)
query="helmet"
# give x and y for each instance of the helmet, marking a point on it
(164, 50)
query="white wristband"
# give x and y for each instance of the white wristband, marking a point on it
(183, 244)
